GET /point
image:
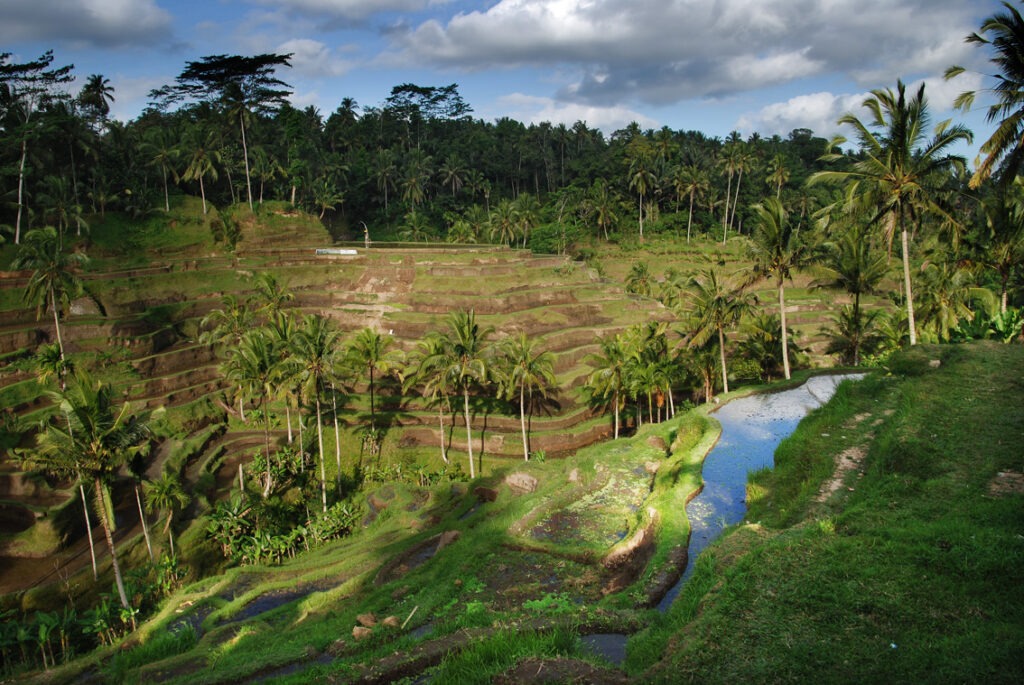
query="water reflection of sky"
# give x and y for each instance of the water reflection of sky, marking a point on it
(752, 427)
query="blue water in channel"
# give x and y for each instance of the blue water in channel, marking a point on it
(752, 427)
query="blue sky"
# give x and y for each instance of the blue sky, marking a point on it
(712, 65)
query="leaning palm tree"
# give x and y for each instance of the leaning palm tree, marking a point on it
(898, 167)
(466, 363)
(53, 282)
(313, 366)
(525, 372)
(776, 254)
(1004, 32)
(166, 494)
(717, 304)
(95, 437)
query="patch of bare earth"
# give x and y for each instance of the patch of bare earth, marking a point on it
(848, 461)
(560, 671)
(1006, 483)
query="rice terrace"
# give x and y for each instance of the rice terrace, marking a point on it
(399, 395)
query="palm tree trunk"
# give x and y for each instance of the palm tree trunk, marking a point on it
(689, 220)
(245, 156)
(721, 351)
(469, 432)
(320, 444)
(905, 242)
(102, 505)
(616, 400)
(167, 197)
(337, 434)
(142, 520)
(170, 533)
(88, 529)
(785, 341)
(736, 200)
(288, 419)
(56, 322)
(440, 421)
(522, 422)
(266, 442)
(202, 192)
(21, 188)
(641, 208)
(725, 220)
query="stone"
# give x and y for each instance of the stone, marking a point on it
(367, 620)
(447, 538)
(658, 443)
(521, 483)
(935, 363)
(360, 633)
(652, 467)
(574, 476)
(392, 622)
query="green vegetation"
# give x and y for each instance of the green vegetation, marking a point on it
(395, 460)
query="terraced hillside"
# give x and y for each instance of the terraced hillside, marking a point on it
(141, 325)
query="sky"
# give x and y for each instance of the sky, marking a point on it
(765, 66)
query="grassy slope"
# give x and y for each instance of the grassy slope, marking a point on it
(912, 571)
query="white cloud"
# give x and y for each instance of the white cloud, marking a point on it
(97, 23)
(313, 59)
(663, 52)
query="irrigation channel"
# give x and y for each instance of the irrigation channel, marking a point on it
(752, 427)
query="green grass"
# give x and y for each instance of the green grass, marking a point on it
(913, 575)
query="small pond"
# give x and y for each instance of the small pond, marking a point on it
(752, 427)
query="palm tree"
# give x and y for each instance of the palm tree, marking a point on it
(160, 147)
(778, 174)
(607, 381)
(690, 180)
(1001, 248)
(96, 95)
(452, 173)
(641, 179)
(53, 281)
(327, 196)
(504, 223)
(898, 166)
(947, 292)
(384, 171)
(852, 264)
(525, 371)
(1004, 32)
(639, 281)
(167, 494)
(271, 296)
(717, 304)
(203, 158)
(95, 438)
(466, 363)
(776, 255)
(426, 369)
(315, 356)
(369, 350)
(600, 205)
(254, 366)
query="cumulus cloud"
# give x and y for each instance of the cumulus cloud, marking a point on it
(534, 110)
(821, 111)
(94, 23)
(313, 59)
(662, 52)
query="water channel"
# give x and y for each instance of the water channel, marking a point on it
(752, 427)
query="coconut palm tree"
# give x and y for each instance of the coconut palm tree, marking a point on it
(776, 255)
(53, 281)
(202, 157)
(370, 351)
(315, 356)
(1004, 32)
(608, 379)
(525, 371)
(254, 365)
(642, 180)
(426, 371)
(167, 494)
(716, 305)
(778, 174)
(161, 147)
(898, 167)
(466, 363)
(95, 437)
(690, 180)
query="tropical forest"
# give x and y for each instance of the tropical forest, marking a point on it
(394, 394)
